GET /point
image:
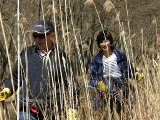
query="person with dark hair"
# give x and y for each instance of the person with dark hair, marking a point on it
(41, 77)
(110, 70)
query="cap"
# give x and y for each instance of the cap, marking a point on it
(43, 26)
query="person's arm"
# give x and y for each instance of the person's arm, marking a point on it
(133, 73)
(93, 72)
(8, 82)
(8, 88)
(71, 86)
(71, 81)
(96, 80)
(64, 68)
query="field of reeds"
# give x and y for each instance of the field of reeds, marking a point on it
(135, 28)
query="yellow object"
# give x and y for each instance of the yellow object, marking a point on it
(138, 76)
(102, 86)
(72, 114)
(4, 94)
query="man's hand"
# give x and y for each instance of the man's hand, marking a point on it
(4, 94)
(102, 87)
(72, 114)
(138, 76)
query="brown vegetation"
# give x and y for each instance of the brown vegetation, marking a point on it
(134, 24)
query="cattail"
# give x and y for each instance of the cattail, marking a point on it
(89, 2)
(23, 22)
(20, 14)
(85, 46)
(117, 16)
(108, 6)
(154, 21)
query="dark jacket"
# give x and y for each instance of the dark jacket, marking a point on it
(40, 75)
(96, 66)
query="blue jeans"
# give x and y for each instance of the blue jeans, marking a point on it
(23, 116)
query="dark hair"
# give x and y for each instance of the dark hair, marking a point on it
(103, 35)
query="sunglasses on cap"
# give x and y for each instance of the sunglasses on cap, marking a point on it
(40, 36)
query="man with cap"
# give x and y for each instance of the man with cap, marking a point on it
(41, 78)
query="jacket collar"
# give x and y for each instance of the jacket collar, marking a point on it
(36, 49)
(118, 53)
(98, 57)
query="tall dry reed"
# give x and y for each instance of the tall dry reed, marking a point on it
(147, 91)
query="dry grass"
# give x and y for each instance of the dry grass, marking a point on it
(143, 53)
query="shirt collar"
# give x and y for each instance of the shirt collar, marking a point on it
(36, 49)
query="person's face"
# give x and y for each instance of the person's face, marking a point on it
(43, 40)
(105, 45)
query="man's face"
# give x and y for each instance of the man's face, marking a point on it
(43, 40)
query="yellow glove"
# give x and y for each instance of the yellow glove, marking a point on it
(72, 114)
(102, 86)
(4, 94)
(138, 76)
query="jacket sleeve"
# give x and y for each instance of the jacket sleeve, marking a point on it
(64, 68)
(128, 67)
(68, 71)
(94, 74)
(8, 83)
(132, 71)
(70, 81)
